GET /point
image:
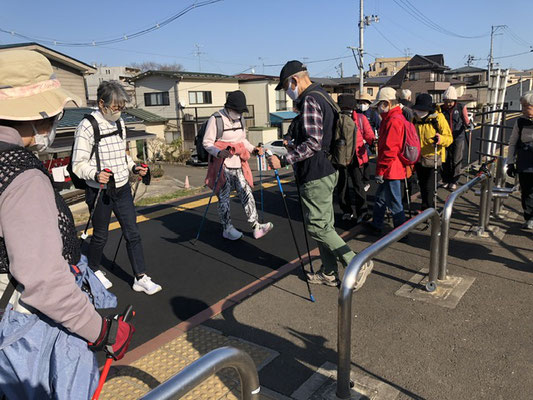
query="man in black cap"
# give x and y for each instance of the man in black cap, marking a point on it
(315, 174)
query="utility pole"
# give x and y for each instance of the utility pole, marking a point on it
(493, 30)
(340, 70)
(363, 21)
(198, 54)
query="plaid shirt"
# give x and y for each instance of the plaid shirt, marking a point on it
(112, 151)
(313, 128)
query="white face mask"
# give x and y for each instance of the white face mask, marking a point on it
(293, 94)
(234, 115)
(110, 115)
(363, 107)
(383, 108)
(43, 140)
(421, 114)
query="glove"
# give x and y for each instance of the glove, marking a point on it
(147, 178)
(115, 337)
(511, 170)
(379, 179)
(111, 187)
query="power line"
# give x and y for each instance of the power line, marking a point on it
(409, 8)
(514, 55)
(116, 39)
(517, 39)
(387, 39)
(311, 62)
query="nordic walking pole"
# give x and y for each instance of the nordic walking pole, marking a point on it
(84, 235)
(311, 297)
(133, 200)
(304, 223)
(128, 314)
(193, 242)
(407, 195)
(261, 158)
(435, 197)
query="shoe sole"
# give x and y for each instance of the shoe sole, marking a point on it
(138, 288)
(366, 269)
(265, 233)
(226, 237)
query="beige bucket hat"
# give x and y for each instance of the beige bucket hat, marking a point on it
(385, 94)
(364, 97)
(29, 89)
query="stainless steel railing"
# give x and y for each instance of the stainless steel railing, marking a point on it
(208, 365)
(344, 328)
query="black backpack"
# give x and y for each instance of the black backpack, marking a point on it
(201, 152)
(76, 180)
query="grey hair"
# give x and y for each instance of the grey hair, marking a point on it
(527, 97)
(111, 90)
(405, 94)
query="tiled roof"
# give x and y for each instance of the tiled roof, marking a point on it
(146, 116)
(184, 75)
(73, 116)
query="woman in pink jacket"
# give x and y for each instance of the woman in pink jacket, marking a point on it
(354, 171)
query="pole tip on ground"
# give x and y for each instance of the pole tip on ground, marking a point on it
(84, 236)
(312, 298)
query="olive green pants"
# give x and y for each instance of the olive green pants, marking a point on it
(317, 197)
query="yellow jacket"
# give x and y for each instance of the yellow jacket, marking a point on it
(426, 131)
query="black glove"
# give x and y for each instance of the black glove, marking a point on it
(111, 186)
(115, 336)
(148, 177)
(511, 170)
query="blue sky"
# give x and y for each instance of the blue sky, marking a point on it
(235, 35)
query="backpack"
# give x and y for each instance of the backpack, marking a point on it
(411, 148)
(76, 180)
(343, 143)
(201, 152)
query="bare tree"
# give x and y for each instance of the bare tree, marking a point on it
(155, 66)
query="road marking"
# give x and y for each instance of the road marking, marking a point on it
(182, 207)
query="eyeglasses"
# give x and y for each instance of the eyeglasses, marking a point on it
(116, 108)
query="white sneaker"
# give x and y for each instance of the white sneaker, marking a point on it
(101, 277)
(146, 285)
(366, 187)
(365, 270)
(261, 230)
(231, 233)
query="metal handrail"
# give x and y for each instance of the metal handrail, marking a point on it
(208, 365)
(445, 223)
(344, 322)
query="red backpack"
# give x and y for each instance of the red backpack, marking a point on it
(411, 148)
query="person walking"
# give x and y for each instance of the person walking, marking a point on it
(49, 325)
(520, 157)
(364, 101)
(354, 171)
(457, 116)
(116, 196)
(316, 174)
(229, 151)
(390, 171)
(406, 104)
(434, 132)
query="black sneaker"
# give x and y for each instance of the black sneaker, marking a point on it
(372, 229)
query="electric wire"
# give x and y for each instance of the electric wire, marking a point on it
(387, 39)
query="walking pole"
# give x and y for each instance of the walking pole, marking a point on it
(128, 314)
(408, 198)
(436, 174)
(304, 223)
(311, 297)
(193, 242)
(122, 236)
(84, 235)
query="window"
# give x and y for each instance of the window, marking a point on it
(281, 100)
(370, 91)
(156, 99)
(199, 97)
(413, 76)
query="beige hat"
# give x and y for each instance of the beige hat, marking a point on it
(364, 97)
(450, 94)
(29, 89)
(385, 94)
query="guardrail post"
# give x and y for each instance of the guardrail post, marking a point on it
(490, 187)
(344, 314)
(434, 253)
(500, 181)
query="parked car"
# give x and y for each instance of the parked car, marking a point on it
(195, 162)
(276, 147)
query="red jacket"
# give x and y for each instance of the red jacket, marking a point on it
(364, 131)
(390, 142)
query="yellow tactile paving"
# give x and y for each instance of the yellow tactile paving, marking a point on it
(136, 379)
(182, 207)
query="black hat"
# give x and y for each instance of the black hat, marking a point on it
(236, 101)
(289, 69)
(424, 102)
(346, 101)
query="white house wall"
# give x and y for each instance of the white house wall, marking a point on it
(153, 84)
(256, 94)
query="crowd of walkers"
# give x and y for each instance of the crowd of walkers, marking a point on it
(50, 291)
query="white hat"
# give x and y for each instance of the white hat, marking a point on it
(385, 94)
(450, 94)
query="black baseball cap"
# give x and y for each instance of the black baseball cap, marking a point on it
(289, 69)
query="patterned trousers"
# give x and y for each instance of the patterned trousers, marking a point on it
(235, 180)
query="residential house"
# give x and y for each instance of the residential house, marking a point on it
(336, 86)
(69, 71)
(104, 73)
(387, 66)
(422, 74)
(515, 91)
(186, 99)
